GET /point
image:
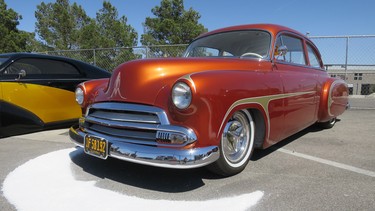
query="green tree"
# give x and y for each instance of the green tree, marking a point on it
(115, 31)
(109, 30)
(172, 24)
(34, 45)
(62, 26)
(12, 39)
(59, 24)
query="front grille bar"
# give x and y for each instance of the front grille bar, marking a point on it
(133, 123)
(131, 108)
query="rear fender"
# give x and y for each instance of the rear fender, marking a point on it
(334, 99)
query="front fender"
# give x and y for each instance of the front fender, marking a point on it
(215, 94)
(93, 89)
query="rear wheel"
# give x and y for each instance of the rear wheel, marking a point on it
(329, 124)
(236, 145)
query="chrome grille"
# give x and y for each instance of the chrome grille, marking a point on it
(131, 123)
(125, 117)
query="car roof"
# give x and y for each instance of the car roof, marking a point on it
(44, 56)
(35, 55)
(274, 29)
(14, 56)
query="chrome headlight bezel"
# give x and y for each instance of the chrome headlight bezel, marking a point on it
(80, 96)
(181, 95)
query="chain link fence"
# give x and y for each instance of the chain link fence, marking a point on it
(109, 58)
(351, 58)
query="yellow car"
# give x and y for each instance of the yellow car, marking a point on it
(37, 91)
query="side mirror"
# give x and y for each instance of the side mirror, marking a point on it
(282, 50)
(21, 74)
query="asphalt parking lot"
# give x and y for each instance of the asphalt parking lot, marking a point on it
(312, 170)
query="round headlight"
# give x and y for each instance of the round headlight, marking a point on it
(79, 95)
(181, 95)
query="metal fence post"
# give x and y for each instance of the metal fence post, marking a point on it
(346, 57)
(94, 57)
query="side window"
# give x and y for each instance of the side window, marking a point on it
(35, 66)
(3, 59)
(313, 57)
(17, 66)
(294, 52)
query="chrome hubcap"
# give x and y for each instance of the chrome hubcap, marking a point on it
(235, 138)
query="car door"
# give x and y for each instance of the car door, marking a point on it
(39, 90)
(299, 81)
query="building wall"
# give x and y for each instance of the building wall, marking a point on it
(360, 81)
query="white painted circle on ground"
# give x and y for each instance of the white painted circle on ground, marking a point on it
(47, 183)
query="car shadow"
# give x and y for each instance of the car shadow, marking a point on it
(162, 179)
(141, 176)
(258, 154)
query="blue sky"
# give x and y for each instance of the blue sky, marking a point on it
(319, 17)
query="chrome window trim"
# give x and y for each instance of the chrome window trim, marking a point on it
(268, 57)
(304, 39)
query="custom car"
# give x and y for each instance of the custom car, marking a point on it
(37, 91)
(235, 89)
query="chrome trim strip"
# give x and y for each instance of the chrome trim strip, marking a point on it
(131, 140)
(132, 108)
(155, 156)
(191, 137)
(263, 101)
(118, 124)
(148, 136)
(125, 117)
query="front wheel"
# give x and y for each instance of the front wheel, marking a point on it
(236, 144)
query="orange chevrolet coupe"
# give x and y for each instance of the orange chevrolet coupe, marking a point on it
(235, 89)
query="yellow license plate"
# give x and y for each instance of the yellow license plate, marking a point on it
(96, 146)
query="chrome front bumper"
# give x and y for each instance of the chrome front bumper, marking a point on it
(150, 155)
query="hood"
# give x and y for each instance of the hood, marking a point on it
(140, 81)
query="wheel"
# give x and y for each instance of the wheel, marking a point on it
(329, 124)
(236, 144)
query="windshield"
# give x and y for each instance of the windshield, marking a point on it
(240, 44)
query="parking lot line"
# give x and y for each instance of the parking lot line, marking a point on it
(328, 162)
